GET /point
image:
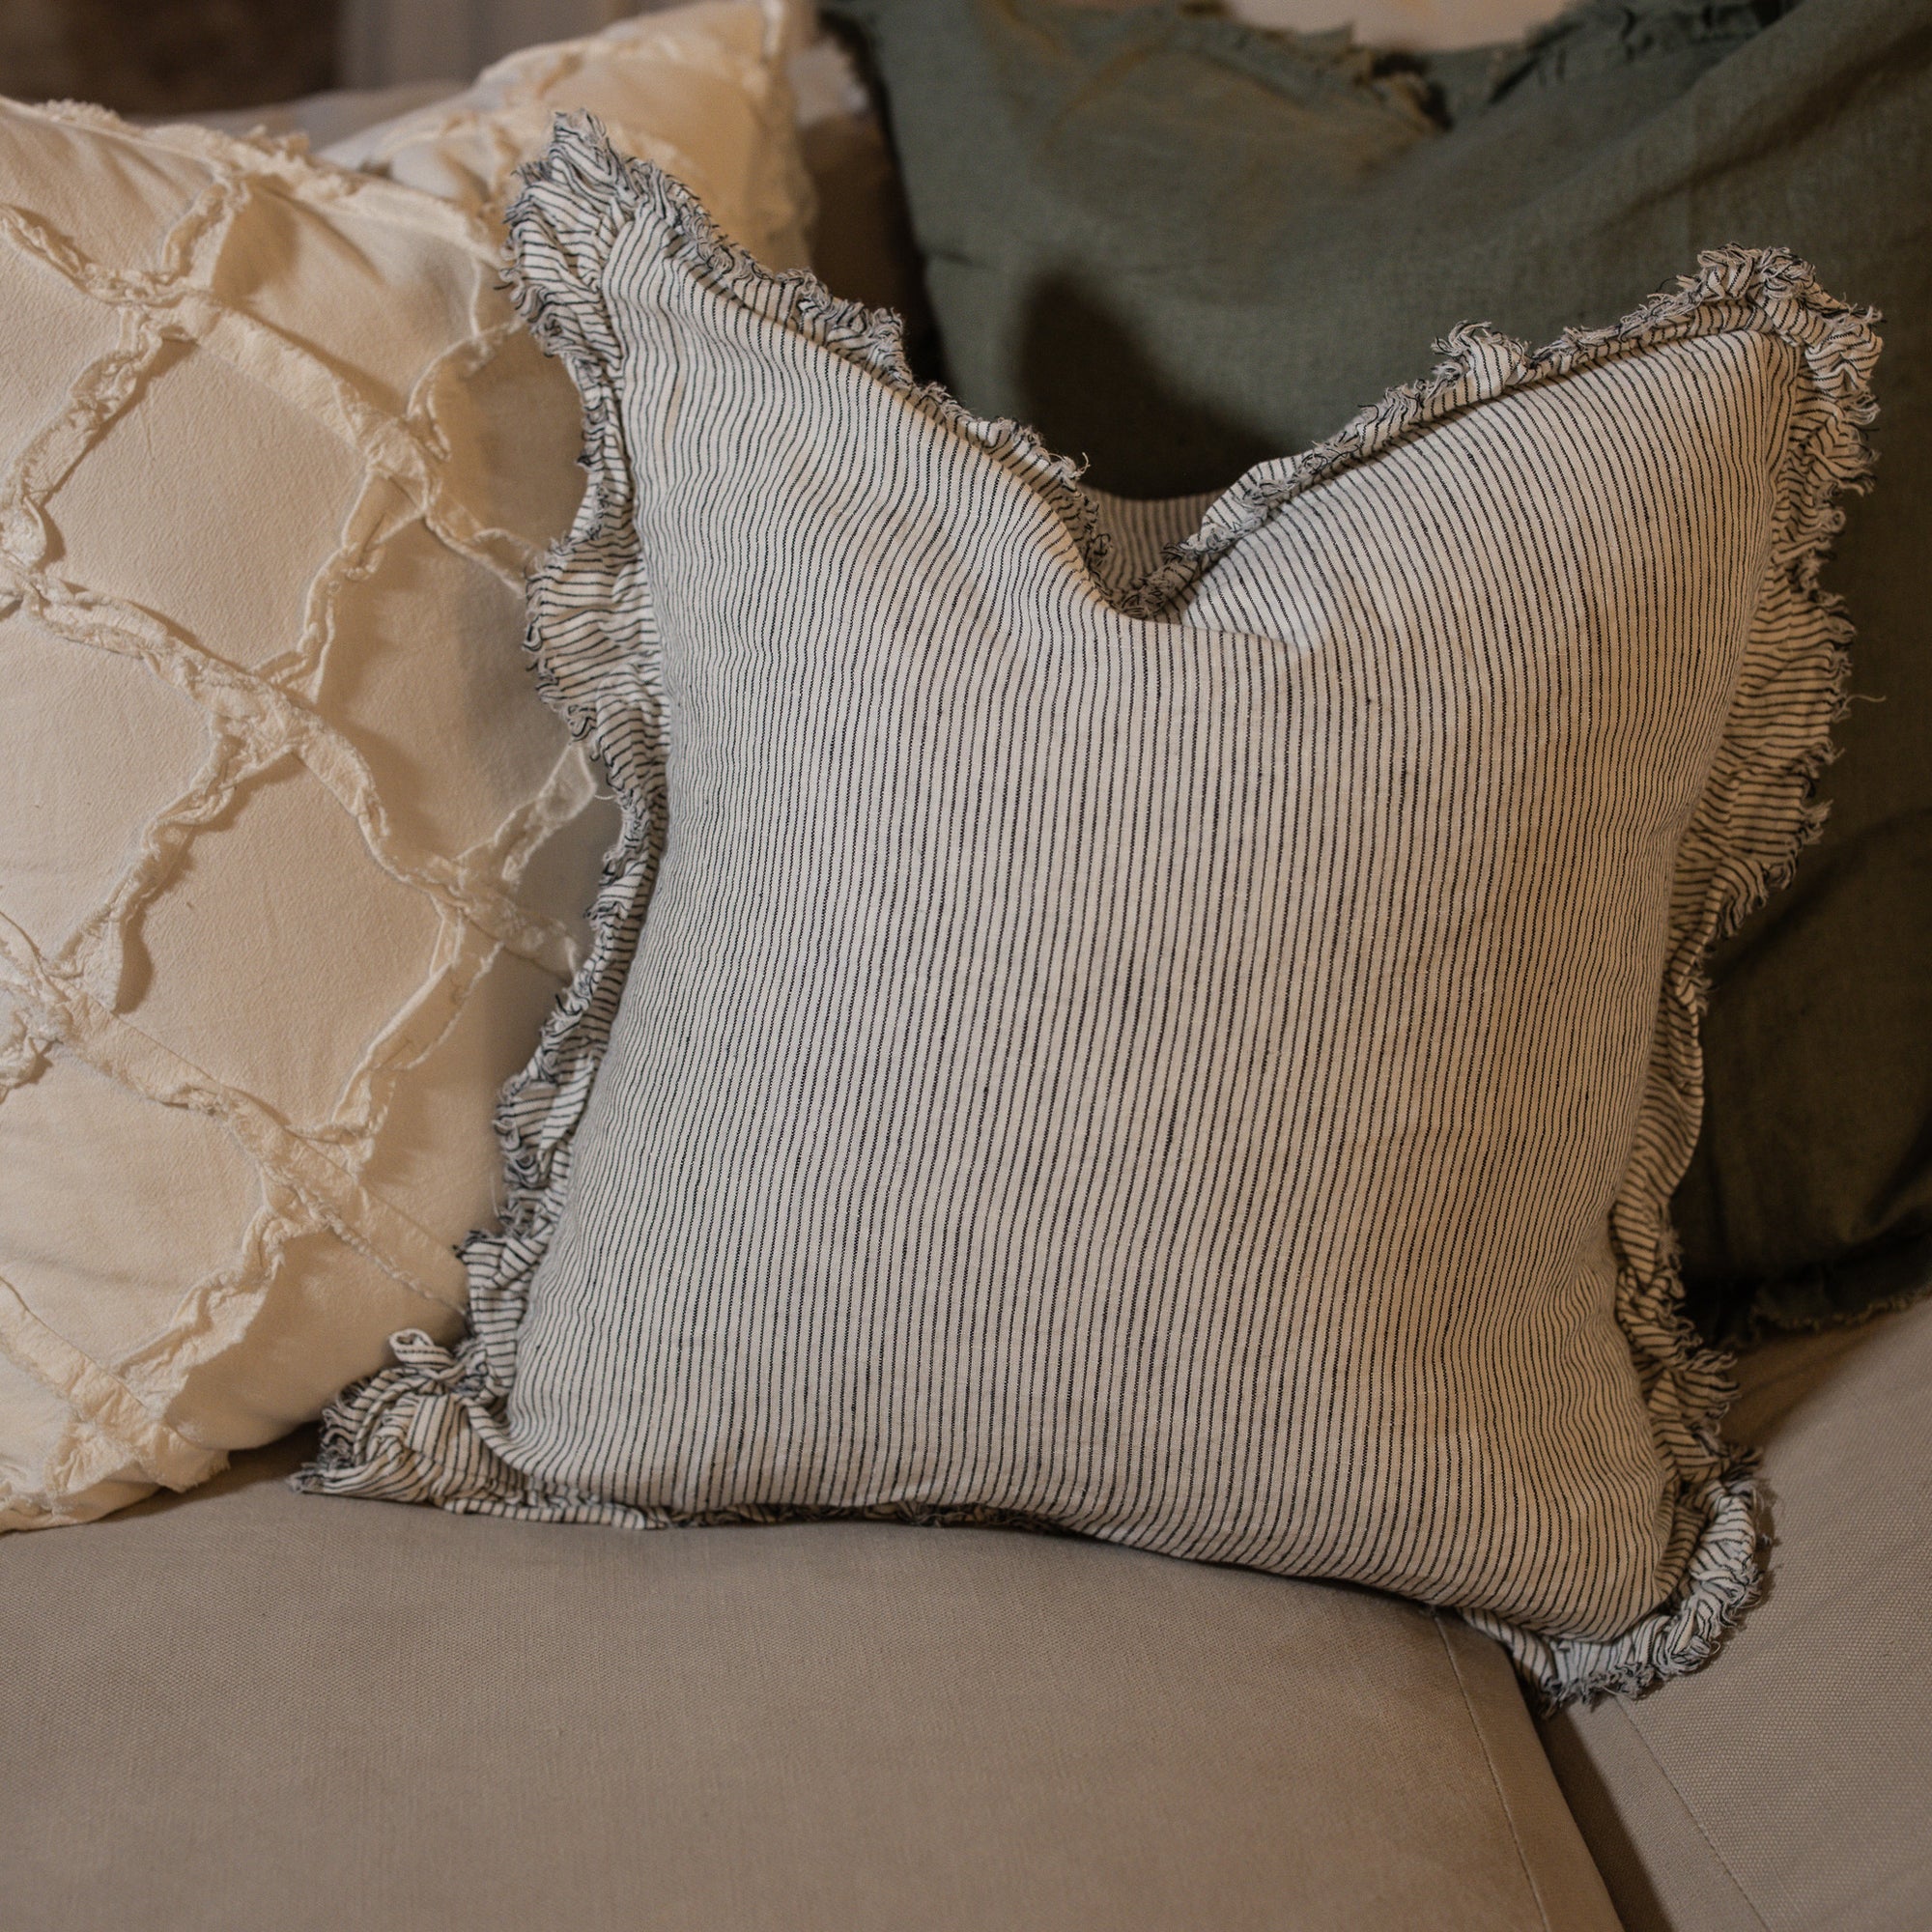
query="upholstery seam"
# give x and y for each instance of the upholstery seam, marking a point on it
(1496, 1778)
(1670, 1784)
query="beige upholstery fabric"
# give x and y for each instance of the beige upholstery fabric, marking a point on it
(266, 1710)
(700, 90)
(292, 856)
(1789, 1786)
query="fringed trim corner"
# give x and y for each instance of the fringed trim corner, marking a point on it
(431, 1430)
(1766, 292)
(1721, 1580)
(424, 1431)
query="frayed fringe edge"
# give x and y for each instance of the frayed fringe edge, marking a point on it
(1722, 1581)
(1888, 1280)
(431, 1429)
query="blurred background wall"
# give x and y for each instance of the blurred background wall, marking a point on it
(184, 56)
(385, 42)
(171, 56)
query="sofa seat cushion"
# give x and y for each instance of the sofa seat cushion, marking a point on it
(1789, 1786)
(250, 1708)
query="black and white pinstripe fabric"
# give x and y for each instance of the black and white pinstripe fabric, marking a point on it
(1195, 1050)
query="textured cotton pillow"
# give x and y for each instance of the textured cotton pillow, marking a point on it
(700, 90)
(291, 858)
(1195, 1051)
(1179, 245)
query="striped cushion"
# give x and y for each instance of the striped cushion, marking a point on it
(1192, 1048)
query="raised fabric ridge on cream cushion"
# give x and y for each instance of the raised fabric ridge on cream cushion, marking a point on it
(700, 90)
(291, 858)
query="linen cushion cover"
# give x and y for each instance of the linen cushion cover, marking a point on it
(291, 858)
(1179, 245)
(1195, 1051)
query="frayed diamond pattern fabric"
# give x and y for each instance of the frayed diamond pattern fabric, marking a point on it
(146, 997)
(1192, 1051)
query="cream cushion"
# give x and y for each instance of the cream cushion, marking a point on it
(700, 90)
(291, 858)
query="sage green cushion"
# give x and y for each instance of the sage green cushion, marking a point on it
(1179, 245)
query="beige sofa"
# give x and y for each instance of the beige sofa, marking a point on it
(244, 1709)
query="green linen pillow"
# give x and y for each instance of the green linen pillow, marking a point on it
(1181, 245)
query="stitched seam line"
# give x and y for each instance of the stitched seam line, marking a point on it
(1495, 1781)
(1690, 1811)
